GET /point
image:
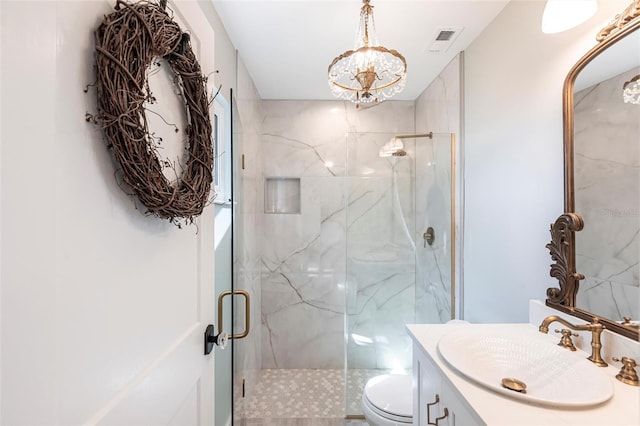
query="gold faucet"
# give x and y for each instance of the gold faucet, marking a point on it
(595, 328)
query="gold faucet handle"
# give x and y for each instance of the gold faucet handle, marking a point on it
(626, 321)
(565, 340)
(627, 373)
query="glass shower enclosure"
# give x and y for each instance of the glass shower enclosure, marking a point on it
(400, 243)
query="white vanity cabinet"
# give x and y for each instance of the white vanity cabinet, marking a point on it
(434, 401)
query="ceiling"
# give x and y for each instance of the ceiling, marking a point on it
(287, 45)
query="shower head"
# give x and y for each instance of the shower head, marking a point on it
(393, 148)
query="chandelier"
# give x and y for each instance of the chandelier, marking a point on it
(631, 91)
(369, 72)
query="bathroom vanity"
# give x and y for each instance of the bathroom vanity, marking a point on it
(443, 396)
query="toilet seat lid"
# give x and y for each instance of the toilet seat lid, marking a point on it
(391, 393)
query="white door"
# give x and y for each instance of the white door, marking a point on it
(103, 308)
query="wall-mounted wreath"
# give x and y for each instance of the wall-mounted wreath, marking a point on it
(127, 41)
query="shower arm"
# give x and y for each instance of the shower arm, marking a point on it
(421, 135)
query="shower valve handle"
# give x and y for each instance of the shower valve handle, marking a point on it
(429, 237)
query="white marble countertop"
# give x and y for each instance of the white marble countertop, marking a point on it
(495, 409)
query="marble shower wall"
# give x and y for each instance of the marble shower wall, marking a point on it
(607, 180)
(304, 266)
(438, 110)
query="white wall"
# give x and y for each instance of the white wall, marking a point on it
(224, 51)
(514, 156)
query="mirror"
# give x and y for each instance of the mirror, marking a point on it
(598, 267)
(606, 170)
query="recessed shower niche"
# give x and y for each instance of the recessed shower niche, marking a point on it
(282, 195)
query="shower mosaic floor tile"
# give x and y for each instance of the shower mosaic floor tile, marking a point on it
(304, 422)
(300, 393)
(308, 397)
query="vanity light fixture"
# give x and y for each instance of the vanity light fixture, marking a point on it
(631, 91)
(369, 72)
(562, 15)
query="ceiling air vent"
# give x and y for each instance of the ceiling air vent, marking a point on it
(444, 39)
(445, 35)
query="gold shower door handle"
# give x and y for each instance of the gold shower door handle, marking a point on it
(247, 310)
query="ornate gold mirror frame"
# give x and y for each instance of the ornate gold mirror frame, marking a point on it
(562, 246)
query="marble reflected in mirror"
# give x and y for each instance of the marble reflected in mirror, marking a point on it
(595, 243)
(607, 182)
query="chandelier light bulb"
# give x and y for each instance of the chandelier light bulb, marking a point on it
(631, 91)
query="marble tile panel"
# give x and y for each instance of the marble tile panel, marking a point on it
(304, 138)
(433, 209)
(380, 215)
(363, 159)
(302, 335)
(384, 303)
(302, 320)
(438, 107)
(313, 239)
(611, 299)
(433, 301)
(385, 117)
(438, 110)
(303, 280)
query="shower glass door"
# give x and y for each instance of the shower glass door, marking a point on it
(435, 207)
(224, 240)
(394, 277)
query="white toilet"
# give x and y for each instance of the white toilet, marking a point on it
(387, 400)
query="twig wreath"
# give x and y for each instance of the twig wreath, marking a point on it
(127, 42)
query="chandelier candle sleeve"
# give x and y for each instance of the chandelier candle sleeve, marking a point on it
(631, 91)
(370, 72)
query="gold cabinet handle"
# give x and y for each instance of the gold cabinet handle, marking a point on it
(444, 416)
(247, 310)
(429, 409)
